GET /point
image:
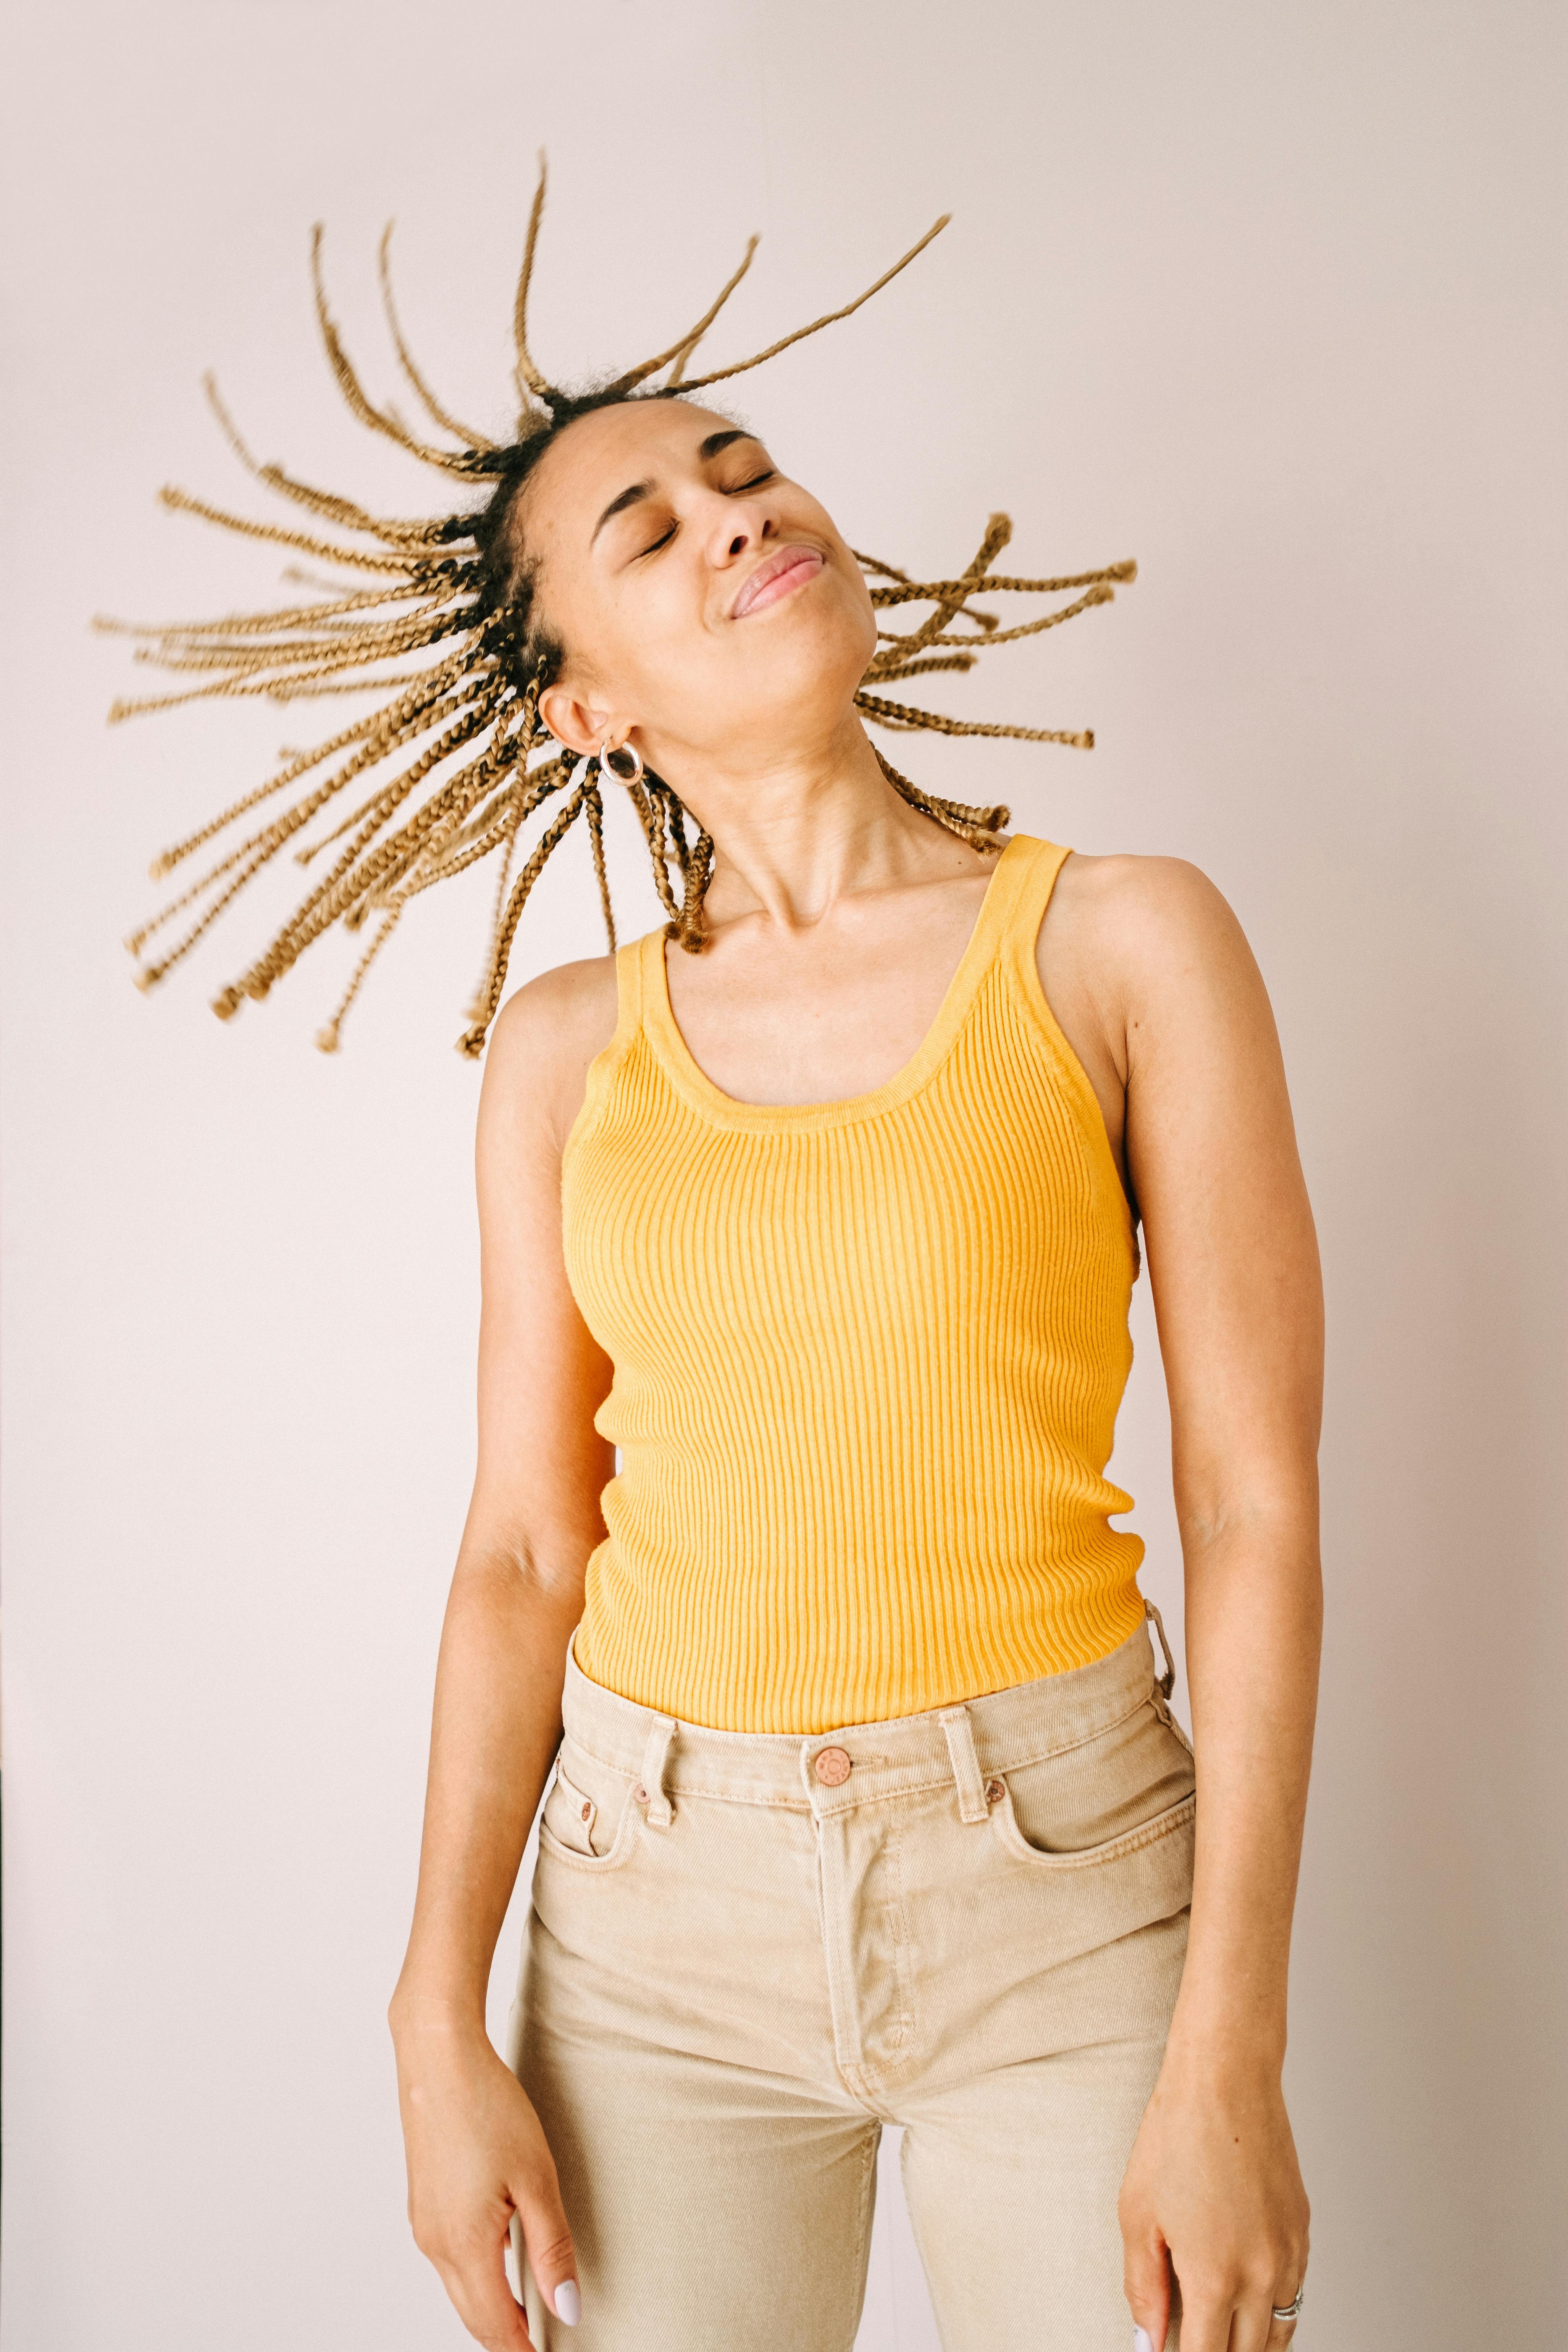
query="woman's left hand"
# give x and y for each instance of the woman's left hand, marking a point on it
(1213, 2192)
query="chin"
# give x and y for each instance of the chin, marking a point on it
(814, 676)
(817, 636)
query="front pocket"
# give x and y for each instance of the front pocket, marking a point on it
(1160, 1825)
(573, 1817)
(590, 1818)
(1130, 1786)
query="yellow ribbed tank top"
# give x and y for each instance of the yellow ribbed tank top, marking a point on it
(867, 1355)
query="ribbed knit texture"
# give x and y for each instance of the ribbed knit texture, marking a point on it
(867, 1359)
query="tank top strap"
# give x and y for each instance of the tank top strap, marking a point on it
(631, 985)
(1026, 911)
(600, 1075)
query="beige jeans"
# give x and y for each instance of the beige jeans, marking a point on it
(747, 1951)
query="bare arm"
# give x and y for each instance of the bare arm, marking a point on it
(1232, 1261)
(474, 2145)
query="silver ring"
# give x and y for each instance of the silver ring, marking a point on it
(1293, 2310)
(622, 751)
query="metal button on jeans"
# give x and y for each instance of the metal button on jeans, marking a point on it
(832, 1767)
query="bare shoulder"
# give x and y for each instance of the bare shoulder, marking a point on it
(1123, 892)
(540, 1044)
(558, 1010)
(1148, 922)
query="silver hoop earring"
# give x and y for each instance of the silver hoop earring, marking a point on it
(608, 759)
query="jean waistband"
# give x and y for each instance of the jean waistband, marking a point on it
(830, 1771)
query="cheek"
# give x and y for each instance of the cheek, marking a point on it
(651, 655)
(624, 642)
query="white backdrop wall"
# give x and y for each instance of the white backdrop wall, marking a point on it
(1270, 299)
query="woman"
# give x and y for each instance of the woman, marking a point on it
(869, 1804)
(716, 623)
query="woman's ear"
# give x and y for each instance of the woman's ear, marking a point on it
(577, 724)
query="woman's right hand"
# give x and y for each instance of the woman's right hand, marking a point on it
(476, 2154)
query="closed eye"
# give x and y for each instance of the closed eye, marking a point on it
(768, 474)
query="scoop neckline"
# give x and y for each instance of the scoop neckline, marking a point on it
(727, 1110)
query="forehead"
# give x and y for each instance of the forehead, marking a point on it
(603, 453)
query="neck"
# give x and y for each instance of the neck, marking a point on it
(815, 823)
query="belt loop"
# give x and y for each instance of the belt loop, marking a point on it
(960, 1731)
(1167, 1681)
(650, 1789)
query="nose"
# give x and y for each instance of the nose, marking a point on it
(741, 527)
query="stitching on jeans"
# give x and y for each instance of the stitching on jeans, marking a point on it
(902, 1953)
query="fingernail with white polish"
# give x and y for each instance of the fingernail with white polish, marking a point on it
(568, 2304)
(1141, 2340)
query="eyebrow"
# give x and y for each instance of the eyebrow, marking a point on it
(637, 491)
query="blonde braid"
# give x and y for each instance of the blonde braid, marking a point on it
(348, 881)
(268, 843)
(327, 1038)
(693, 935)
(971, 824)
(593, 804)
(475, 1007)
(642, 800)
(472, 1041)
(901, 715)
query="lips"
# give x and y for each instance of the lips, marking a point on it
(777, 577)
